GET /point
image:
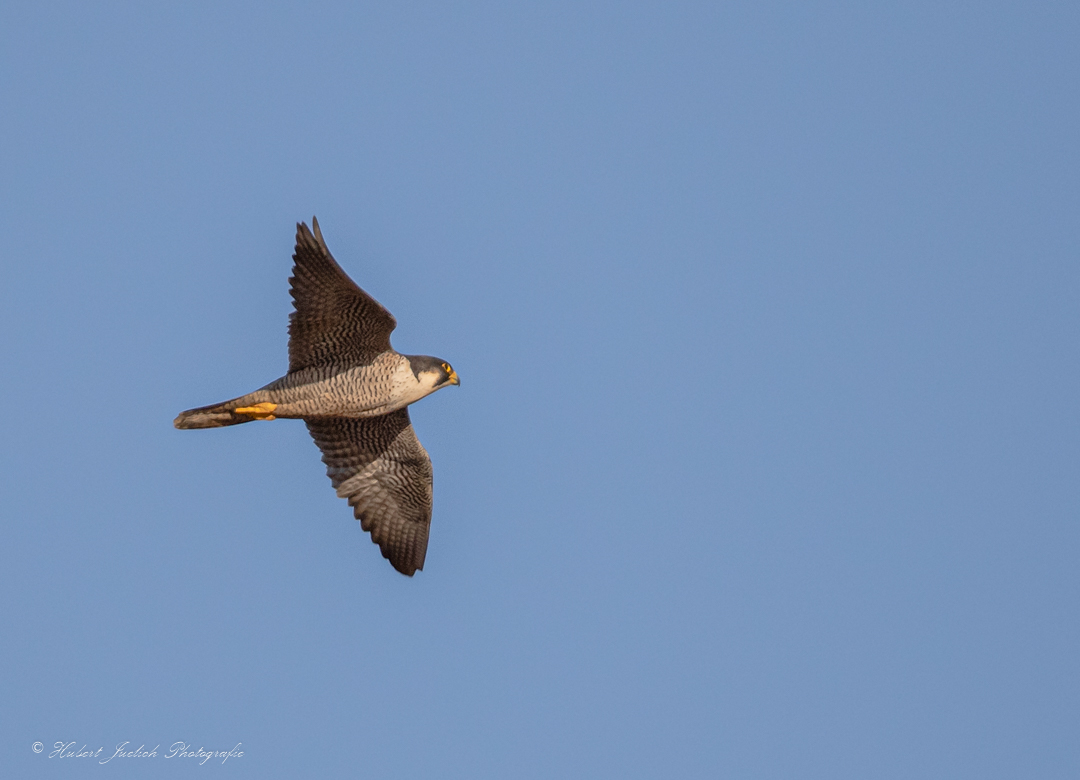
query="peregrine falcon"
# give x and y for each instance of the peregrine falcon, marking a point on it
(351, 389)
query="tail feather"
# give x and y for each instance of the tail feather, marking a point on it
(214, 416)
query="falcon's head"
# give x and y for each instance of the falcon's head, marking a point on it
(433, 372)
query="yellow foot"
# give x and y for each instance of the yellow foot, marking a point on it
(261, 411)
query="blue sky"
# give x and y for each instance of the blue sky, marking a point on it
(764, 461)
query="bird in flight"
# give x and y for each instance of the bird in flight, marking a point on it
(352, 391)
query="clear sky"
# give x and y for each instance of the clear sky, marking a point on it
(764, 460)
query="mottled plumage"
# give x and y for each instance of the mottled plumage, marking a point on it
(335, 323)
(351, 389)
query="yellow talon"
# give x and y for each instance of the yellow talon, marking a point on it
(261, 411)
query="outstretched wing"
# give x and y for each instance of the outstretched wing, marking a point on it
(335, 322)
(379, 465)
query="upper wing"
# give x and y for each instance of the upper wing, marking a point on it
(335, 322)
(381, 467)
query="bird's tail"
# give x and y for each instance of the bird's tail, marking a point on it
(231, 412)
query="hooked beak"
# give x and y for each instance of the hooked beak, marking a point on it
(454, 378)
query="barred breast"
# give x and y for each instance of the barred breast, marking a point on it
(326, 391)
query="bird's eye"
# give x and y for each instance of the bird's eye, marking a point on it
(446, 368)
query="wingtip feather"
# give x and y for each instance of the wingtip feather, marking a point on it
(318, 233)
